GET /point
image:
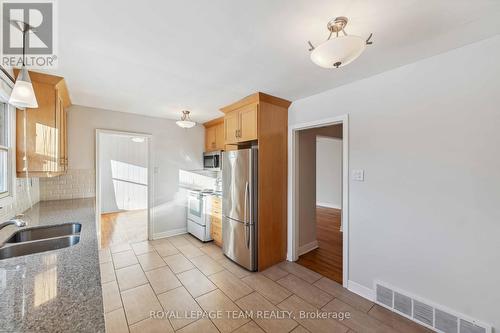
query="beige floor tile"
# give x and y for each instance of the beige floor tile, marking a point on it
(130, 277)
(111, 296)
(162, 279)
(142, 247)
(255, 302)
(115, 321)
(138, 302)
(213, 251)
(151, 325)
(267, 288)
(359, 321)
(234, 268)
(336, 290)
(200, 326)
(310, 293)
(195, 282)
(165, 248)
(250, 327)
(194, 241)
(304, 273)
(104, 256)
(216, 301)
(124, 259)
(120, 247)
(275, 273)
(295, 304)
(178, 263)
(180, 301)
(233, 287)
(299, 329)
(206, 264)
(178, 241)
(150, 260)
(107, 272)
(190, 251)
(396, 321)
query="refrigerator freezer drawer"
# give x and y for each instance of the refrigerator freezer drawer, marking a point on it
(198, 231)
(239, 243)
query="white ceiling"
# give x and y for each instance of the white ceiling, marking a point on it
(158, 57)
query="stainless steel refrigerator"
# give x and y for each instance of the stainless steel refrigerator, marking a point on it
(239, 206)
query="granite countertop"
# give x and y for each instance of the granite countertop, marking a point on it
(54, 291)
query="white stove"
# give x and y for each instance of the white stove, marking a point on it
(198, 214)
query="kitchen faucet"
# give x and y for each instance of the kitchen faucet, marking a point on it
(17, 221)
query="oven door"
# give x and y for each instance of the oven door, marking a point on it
(195, 207)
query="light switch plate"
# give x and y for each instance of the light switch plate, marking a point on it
(358, 175)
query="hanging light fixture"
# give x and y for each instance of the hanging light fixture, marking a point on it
(23, 95)
(340, 50)
(185, 121)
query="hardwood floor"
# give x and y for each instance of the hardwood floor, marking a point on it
(124, 227)
(327, 259)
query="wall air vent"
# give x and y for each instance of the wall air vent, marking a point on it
(425, 312)
(384, 295)
(402, 303)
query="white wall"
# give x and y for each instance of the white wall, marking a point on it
(173, 149)
(427, 217)
(123, 166)
(329, 172)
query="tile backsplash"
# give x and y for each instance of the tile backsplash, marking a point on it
(75, 184)
(24, 198)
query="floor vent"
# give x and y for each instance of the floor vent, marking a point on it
(426, 313)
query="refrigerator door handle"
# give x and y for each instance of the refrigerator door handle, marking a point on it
(245, 222)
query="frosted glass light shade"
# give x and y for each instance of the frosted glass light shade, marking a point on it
(185, 123)
(23, 95)
(338, 51)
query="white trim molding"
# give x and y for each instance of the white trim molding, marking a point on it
(361, 290)
(170, 233)
(293, 224)
(308, 247)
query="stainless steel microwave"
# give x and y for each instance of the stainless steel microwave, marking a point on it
(212, 160)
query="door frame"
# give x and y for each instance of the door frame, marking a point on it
(293, 224)
(150, 209)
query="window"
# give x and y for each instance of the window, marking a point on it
(6, 145)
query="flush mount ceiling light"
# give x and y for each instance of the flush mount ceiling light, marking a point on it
(185, 121)
(340, 50)
(23, 95)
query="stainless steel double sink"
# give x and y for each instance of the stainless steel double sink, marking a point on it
(41, 239)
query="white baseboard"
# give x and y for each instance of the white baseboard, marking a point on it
(308, 247)
(361, 290)
(170, 233)
(328, 205)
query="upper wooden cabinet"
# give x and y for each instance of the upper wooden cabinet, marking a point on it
(214, 134)
(42, 148)
(240, 125)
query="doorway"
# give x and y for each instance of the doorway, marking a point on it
(123, 187)
(318, 200)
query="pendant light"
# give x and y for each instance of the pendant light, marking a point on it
(23, 95)
(185, 121)
(340, 50)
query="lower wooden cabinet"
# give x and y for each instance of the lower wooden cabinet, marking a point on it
(216, 220)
